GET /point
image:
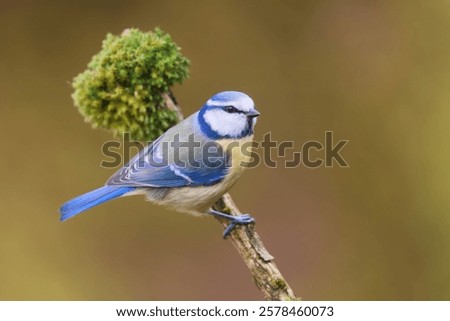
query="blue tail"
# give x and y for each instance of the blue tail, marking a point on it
(91, 199)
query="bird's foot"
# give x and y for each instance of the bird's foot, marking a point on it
(243, 219)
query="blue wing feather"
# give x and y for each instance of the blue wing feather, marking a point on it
(139, 172)
(174, 176)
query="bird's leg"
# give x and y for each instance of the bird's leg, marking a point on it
(243, 219)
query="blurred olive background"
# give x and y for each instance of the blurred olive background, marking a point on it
(374, 72)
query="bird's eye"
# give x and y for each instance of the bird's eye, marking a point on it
(231, 109)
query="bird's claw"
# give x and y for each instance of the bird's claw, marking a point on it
(243, 219)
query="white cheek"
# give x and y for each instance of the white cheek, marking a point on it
(253, 122)
(225, 123)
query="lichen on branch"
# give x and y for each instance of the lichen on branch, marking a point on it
(122, 88)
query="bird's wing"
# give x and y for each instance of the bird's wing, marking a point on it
(148, 169)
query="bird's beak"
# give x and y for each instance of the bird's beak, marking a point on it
(252, 113)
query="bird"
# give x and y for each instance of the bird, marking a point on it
(190, 166)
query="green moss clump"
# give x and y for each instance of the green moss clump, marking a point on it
(122, 88)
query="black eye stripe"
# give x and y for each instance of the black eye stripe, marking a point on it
(232, 110)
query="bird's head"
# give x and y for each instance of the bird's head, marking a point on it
(229, 114)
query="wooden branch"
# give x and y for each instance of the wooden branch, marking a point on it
(265, 273)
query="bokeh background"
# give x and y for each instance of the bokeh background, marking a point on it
(374, 72)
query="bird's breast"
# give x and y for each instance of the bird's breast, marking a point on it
(240, 153)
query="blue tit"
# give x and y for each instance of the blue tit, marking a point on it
(190, 166)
